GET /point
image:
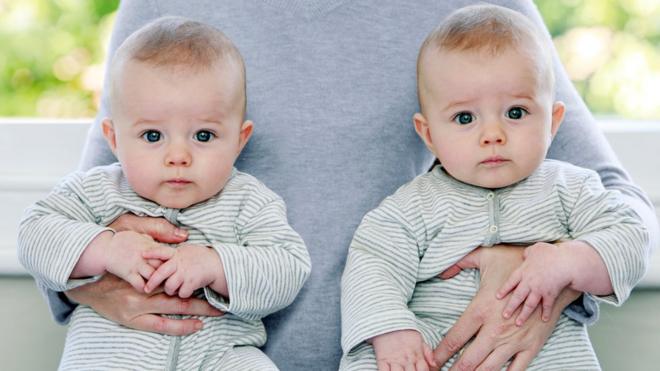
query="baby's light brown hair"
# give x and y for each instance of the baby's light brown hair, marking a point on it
(489, 29)
(178, 43)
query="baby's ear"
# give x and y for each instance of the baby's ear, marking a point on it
(109, 133)
(558, 111)
(245, 134)
(422, 129)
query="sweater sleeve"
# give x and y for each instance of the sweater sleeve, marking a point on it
(603, 220)
(267, 266)
(54, 232)
(379, 277)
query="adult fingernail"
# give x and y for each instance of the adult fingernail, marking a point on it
(198, 326)
(180, 232)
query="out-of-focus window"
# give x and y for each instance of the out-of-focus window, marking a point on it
(52, 53)
(611, 50)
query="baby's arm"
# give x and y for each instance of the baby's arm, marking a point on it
(378, 282)
(54, 233)
(186, 269)
(607, 257)
(118, 253)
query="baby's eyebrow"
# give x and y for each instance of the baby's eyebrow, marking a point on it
(456, 103)
(145, 121)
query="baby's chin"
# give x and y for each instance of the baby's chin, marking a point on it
(174, 202)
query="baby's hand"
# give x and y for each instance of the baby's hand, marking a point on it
(546, 270)
(185, 269)
(124, 257)
(402, 350)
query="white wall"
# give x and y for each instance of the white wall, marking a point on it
(35, 154)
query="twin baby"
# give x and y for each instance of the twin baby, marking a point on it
(487, 112)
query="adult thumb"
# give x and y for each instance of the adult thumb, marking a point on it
(470, 260)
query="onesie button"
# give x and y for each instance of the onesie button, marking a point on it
(493, 229)
(490, 195)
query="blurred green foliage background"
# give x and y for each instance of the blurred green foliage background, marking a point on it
(52, 53)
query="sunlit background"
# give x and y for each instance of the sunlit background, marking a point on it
(52, 53)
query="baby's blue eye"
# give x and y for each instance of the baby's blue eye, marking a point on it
(463, 118)
(151, 136)
(204, 135)
(516, 113)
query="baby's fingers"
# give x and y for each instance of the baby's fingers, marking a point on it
(160, 275)
(159, 252)
(530, 305)
(511, 283)
(136, 281)
(145, 270)
(517, 297)
(548, 303)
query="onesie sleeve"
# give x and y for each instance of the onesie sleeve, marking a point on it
(55, 231)
(266, 267)
(379, 277)
(602, 219)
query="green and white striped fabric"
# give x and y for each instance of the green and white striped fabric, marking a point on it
(390, 280)
(265, 262)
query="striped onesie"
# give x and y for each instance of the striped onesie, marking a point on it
(265, 262)
(390, 281)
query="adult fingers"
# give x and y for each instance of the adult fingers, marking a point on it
(158, 228)
(470, 260)
(522, 360)
(166, 304)
(474, 353)
(164, 325)
(421, 365)
(530, 305)
(459, 334)
(496, 359)
(383, 366)
(161, 252)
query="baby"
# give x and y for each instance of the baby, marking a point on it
(486, 91)
(177, 125)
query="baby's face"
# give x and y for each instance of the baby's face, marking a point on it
(488, 119)
(177, 133)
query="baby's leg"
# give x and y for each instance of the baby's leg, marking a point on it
(360, 358)
(246, 358)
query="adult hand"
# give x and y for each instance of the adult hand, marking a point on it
(117, 301)
(496, 339)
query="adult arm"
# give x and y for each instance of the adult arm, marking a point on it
(130, 16)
